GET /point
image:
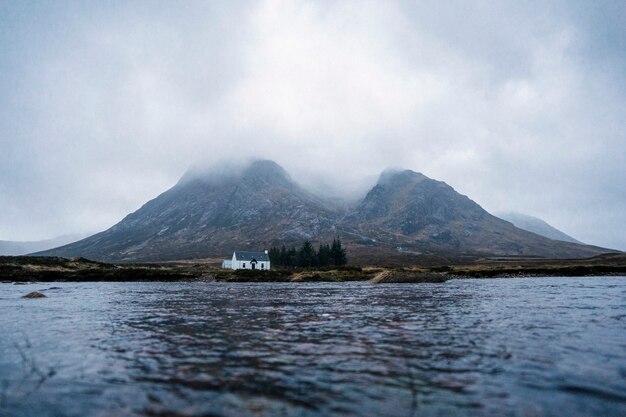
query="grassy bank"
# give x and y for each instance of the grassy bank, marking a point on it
(49, 269)
(613, 264)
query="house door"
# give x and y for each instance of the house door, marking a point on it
(253, 265)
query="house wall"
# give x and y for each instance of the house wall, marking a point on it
(246, 264)
(263, 265)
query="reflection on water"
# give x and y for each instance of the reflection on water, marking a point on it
(531, 347)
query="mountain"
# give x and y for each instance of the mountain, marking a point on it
(209, 214)
(420, 215)
(536, 225)
(16, 248)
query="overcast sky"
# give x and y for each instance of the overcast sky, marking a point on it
(519, 105)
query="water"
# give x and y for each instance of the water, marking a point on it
(518, 347)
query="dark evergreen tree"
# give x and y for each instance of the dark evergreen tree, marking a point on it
(274, 254)
(338, 254)
(284, 258)
(306, 255)
(292, 257)
(324, 257)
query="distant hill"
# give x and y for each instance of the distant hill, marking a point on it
(209, 214)
(15, 248)
(536, 225)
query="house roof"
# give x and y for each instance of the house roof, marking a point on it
(248, 256)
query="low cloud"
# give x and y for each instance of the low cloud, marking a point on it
(521, 107)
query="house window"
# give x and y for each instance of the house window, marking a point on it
(262, 265)
(243, 265)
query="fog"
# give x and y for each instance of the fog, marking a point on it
(519, 105)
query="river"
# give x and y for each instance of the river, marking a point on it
(475, 347)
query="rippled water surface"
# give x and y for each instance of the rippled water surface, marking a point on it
(520, 347)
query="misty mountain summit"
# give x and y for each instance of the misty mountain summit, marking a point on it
(208, 213)
(421, 215)
(407, 202)
(260, 172)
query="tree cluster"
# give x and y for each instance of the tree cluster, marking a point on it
(306, 257)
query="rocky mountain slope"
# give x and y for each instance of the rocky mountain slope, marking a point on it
(420, 215)
(536, 225)
(210, 214)
(406, 213)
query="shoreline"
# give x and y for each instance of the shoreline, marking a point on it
(20, 269)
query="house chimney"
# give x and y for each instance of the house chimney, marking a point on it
(266, 251)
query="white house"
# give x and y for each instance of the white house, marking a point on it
(248, 260)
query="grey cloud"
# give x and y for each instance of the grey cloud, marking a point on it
(518, 105)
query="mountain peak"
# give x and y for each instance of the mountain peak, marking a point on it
(395, 175)
(266, 170)
(259, 170)
(265, 165)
